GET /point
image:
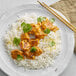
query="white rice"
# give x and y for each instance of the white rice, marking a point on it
(47, 58)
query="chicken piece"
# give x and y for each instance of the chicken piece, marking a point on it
(47, 24)
(36, 30)
(29, 55)
(24, 45)
(55, 28)
(34, 42)
(39, 23)
(37, 52)
(15, 53)
(25, 36)
(33, 29)
(40, 35)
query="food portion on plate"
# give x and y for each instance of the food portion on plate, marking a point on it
(33, 41)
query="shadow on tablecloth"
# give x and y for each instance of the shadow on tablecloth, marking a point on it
(2, 73)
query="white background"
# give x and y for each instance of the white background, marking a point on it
(8, 4)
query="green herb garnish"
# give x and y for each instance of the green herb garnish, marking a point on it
(26, 27)
(52, 43)
(23, 24)
(40, 19)
(52, 20)
(47, 31)
(33, 49)
(19, 57)
(16, 41)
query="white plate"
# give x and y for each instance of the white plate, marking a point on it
(67, 37)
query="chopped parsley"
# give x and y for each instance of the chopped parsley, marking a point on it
(33, 49)
(47, 31)
(40, 19)
(19, 57)
(52, 20)
(52, 43)
(23, 24)
(26, 27)
(16, 41)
